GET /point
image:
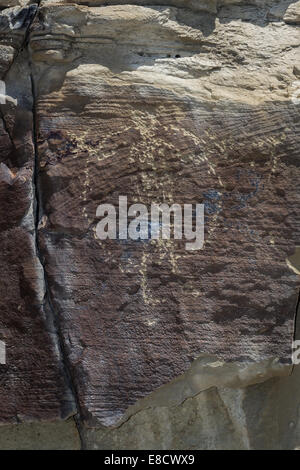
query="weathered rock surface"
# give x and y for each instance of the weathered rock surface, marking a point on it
(262, 416)
(32, 382)
(167, 105)
(58, 435)
(292, 14)
(175, 102)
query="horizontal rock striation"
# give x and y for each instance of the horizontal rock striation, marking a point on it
(167, 105)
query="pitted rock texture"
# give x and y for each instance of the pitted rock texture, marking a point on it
(184, 102)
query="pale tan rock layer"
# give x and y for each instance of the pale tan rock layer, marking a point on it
(244, 53)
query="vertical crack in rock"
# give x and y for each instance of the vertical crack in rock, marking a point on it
(48, 302)
(33, 380)
(37, 213)
(30, 15)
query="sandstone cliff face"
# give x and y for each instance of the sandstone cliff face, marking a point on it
(177, 102)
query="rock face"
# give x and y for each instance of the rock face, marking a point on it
(171, 102)
(33, 383)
